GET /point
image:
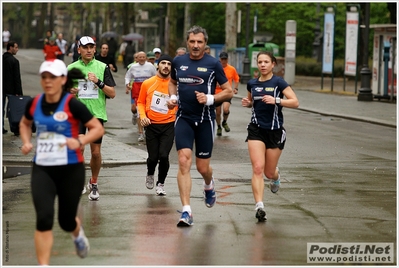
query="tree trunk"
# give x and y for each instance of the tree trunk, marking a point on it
(40, 24)
(27, 26)
(171, 24)
(106, 11)
(126, 21)
(187, 20)
(51, 17)
(231, 26)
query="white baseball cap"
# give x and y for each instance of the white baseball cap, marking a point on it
(84, 40)
(55, 67)
(157, 49)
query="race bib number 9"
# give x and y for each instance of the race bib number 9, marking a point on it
(51, 149)
(87, 89)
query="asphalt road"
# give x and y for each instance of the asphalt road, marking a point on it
(338, 186)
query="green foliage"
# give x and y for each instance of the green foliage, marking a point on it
(310, 67)
(272, 17)
(306, 17)
(210, 16)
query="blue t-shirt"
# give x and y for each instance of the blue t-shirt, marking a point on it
(267, 116)
(196, 75)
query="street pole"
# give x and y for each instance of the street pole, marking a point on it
(316, 42)
(365, 93)
(245, 77)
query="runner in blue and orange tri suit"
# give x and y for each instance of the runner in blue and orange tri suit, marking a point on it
(193, 78)
(58, 166)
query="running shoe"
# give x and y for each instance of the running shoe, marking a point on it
(261, 214)
(84, 190)
(94, 194)
(82, 245)
(275, 184)
(210, 197)
(160, 190)
(186, 219)
(219, 131)
(141, 137)
(134, 119)
(226, 127)
(149, 181)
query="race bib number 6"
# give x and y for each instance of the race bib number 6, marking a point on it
(159, 102)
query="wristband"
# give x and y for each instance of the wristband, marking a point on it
(173, 97)
(100, 84)
(210, 99)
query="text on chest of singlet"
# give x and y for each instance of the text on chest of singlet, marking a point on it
(191, 80)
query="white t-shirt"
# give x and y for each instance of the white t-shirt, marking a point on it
(6, 36)
(61, 44)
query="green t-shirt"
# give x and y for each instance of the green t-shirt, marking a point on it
(96, 106)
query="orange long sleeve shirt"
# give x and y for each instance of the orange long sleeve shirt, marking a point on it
(151, 103)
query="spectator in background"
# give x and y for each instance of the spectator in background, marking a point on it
(151, 57)
(49, 34)
(73, 50)
(157, 51)
(51, 50)
(129, 54)
(207, 49)
(122, 49)
(135, 76)
(181, 51)
(134, 61)
(6, 37)
(63, 45)
(232, 76)
(105, 57)
(112, 47)
(12, 85)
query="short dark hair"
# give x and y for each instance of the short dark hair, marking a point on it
(10, 44)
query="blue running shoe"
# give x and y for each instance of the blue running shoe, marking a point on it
(275, 185)
(210, 197)
(186, 219)
(82, 246)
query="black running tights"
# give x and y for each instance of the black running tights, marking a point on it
(66, 182)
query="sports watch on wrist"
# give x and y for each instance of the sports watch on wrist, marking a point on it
(278, 100)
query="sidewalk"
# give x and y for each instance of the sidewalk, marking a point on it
(336, 103)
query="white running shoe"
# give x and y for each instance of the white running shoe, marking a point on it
(141, 137)
(149, 181)
(160, 190)
(94, 194)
